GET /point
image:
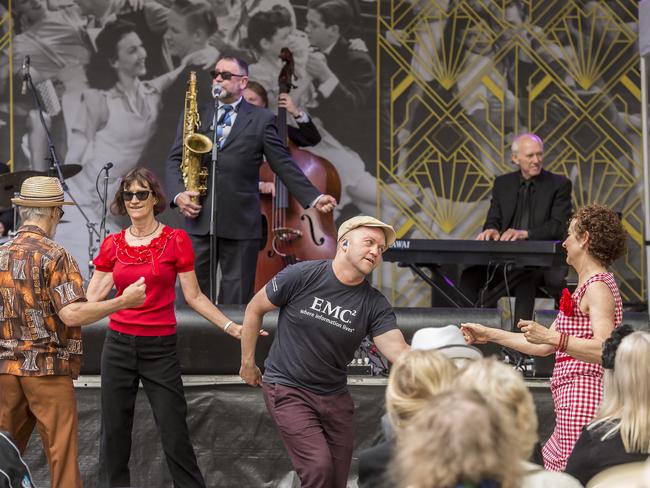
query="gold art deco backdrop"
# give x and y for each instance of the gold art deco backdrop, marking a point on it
(459, 78)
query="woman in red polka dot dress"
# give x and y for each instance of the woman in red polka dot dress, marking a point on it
(587, 317)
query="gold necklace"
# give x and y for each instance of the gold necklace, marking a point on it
(144, 236)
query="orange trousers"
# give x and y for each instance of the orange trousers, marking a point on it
(49, 403)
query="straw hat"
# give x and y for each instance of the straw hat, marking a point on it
(367, 221)
(41, 191)
(448, 340)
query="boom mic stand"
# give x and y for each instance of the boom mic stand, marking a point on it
(56, 165)
(104, 198)
(213, 201)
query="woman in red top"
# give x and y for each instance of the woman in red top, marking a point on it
(586, 318)
(140, 344)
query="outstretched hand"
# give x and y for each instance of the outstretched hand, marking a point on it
(534, 332)
(475, 333)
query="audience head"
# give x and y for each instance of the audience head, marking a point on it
(256, 94)
(502, 384)
(528, 154)
(448, 340)
(146, 179)
(414, 378)
(458, 438)
(119, 49)
(269, 31)
(190, 23)
(626, 400)
(598, 231)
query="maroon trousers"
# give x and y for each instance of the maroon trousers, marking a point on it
(316, 431)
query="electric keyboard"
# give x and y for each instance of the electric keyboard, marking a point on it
(543, 254)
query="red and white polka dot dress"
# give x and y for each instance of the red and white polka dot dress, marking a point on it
(576, 386)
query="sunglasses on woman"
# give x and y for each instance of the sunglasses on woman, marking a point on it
(142, 195)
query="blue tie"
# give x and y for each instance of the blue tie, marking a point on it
(224, 121)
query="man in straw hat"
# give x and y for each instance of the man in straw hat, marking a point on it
(42, 306)
(326, 308)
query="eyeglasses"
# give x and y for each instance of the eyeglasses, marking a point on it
(225, 75)
(142, 195)
(61, 212)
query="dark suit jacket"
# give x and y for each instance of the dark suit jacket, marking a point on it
(550, 205)
(341, 112)
(306, 134)
(253, 136)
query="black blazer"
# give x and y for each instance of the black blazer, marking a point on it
(253, 136)
(550, 204)
(306, 134)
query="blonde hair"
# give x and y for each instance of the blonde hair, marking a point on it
(503, 385)
(459, 437)
(626, 402)
(414, 378)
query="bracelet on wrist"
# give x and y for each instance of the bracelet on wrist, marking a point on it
(228, 324)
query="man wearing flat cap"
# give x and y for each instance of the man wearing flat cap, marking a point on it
(326, 307)
(42, 306)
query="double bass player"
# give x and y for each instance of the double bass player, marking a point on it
(244, 135)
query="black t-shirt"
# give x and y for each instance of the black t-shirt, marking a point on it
(591, 455)
(321, 324)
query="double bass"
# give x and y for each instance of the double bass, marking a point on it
(292, 233)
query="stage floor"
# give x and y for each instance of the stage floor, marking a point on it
(233, 437)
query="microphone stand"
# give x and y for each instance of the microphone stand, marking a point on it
(56, 165)
(213, 206)
(102, 226)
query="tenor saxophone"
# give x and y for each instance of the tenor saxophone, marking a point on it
(195, 145)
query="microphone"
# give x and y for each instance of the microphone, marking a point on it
(216, 90)
(23, 88)
(107, 166)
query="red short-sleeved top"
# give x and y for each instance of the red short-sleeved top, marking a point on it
(159, 262)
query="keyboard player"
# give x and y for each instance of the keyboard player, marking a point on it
(529, 203)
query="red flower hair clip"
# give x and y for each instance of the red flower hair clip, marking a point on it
(566, 303)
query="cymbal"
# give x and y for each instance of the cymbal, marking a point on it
(67, 170)
(10, 184)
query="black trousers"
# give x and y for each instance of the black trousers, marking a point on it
(474, 278)
(238, 260)
(127, 359)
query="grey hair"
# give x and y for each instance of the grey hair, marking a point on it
(526, 135)
(33, 213)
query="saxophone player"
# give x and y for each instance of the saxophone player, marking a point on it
(245, 135)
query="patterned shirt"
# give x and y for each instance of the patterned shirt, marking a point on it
(37, 279)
